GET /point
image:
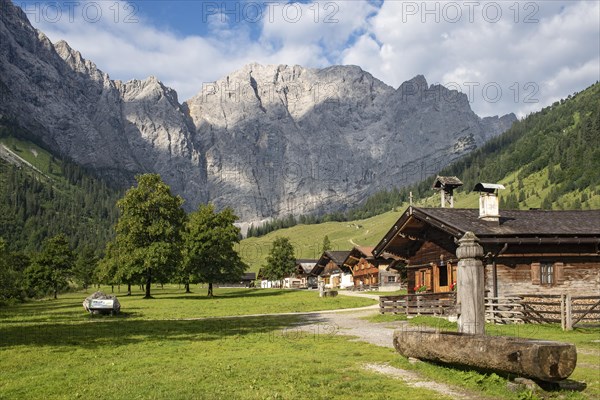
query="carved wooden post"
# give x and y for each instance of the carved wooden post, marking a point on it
(569, 312)
(470, 287)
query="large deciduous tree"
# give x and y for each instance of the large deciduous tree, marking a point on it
(148, 240)
(281, 261)
(209, 255)
(52, 267)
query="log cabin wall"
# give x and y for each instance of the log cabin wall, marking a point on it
(366, 273)
(388, 276)
(430, 253)
(419, 269)
(571, 277)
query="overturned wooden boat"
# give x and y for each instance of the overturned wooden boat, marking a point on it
(537, 359)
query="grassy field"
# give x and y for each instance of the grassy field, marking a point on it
(35, 155)
(53, 349)
(172, 303)
(153, 350)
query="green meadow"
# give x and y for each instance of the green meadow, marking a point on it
(158, 349)
(187, 346)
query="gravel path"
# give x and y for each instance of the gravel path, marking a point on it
(352, 323)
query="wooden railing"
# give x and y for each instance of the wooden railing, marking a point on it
(565, 309)
(503, 310)
(419, 304)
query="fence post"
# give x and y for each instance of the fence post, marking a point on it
(418, 305)
(569, 312)
(563, 322)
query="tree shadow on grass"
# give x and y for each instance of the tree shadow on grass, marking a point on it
(249, 293)
(100, 332)
(41, 312)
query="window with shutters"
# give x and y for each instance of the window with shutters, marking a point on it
(546, 274)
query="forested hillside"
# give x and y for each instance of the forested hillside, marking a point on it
(42, 195)
(552, 157)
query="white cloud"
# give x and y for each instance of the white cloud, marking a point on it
(470, 44)
(528, 60)
(304, 34)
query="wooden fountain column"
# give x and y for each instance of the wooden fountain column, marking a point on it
(469, 285)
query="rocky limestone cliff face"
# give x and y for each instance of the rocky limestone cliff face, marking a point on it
(292, 140)
(267, 140)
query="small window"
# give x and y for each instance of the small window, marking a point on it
(546, 274)
(391, 279)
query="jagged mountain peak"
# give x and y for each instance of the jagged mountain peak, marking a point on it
(418, 80)
(268, 140)
(75, 60)
(149, 89)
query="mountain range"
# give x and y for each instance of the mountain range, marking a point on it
(267, 140)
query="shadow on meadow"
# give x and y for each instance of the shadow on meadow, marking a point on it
(104, 331)
(247, 293)
(45, 311)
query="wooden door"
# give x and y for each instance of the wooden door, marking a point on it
(442, 278)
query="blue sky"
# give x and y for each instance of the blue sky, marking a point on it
(507, 56)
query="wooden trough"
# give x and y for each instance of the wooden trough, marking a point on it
(536, 359)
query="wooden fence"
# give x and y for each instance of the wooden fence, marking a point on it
(419, 304)
(565, 309)
(504, 310)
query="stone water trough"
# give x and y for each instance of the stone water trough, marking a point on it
(538, 359)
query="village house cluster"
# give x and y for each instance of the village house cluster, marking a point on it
(525, 251)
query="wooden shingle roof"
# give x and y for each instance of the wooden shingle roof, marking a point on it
(338, 258)
(518, 222)
(514, 226)
(443, 181)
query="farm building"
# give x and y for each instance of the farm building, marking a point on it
(331, 270)
(369, 272)
(303, 277)
(526, 251)
(266, 283)
(247, 280)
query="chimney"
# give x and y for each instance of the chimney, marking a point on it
(488, 201)
(446, 186)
